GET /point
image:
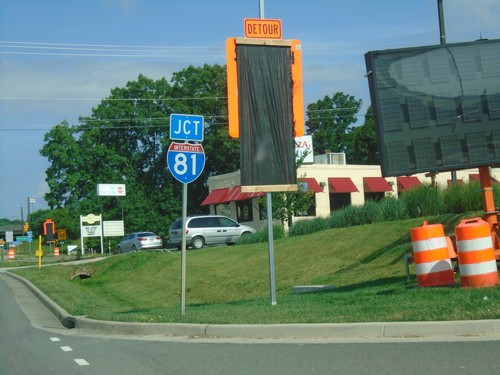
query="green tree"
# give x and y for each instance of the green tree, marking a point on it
(330, 121)
(363, 148)
(126, 139)
(287, 204)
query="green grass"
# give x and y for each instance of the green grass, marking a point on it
(230, 284)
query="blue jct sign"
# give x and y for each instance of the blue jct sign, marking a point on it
(186, 127)
(186, 161)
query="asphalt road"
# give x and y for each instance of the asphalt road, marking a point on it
(33, 341)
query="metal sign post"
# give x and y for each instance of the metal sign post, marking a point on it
(186, 162)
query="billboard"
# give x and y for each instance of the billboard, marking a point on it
(265, 109)
(436, 108)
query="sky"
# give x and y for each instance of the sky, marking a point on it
(61, 58)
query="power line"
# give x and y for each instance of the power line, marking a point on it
(113, 99)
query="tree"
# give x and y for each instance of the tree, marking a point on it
(329, 121)
(364, 142)
(126, 139)
(287, 204)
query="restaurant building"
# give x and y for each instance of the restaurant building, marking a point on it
(334, 183)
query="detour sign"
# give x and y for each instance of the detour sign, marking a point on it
(262, 28)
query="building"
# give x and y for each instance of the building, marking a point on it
(335, 185)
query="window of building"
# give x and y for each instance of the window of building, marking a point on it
(262, 211)
(374, 196)
(339, 201)
(244, 210)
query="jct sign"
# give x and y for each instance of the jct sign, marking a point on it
(186, 127)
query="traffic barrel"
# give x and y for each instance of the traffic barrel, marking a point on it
(11, 254)
(476, 254)
(56, 251)
(431, 255)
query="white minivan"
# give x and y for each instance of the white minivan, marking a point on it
(207, 230)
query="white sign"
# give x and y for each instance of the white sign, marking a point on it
(91, 231)
(91, 218)
(304, 145)
(9, 236)
(113, 190)
(113, 228)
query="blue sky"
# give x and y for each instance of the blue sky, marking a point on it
(59, 59)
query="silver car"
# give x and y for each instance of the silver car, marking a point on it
(207, 230)
(140, 240)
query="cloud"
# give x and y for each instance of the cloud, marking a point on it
(467, 20)
(59, 89)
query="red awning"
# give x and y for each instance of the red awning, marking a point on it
(310, 184)
(458, 182)
(255, 194)
(376, 185)
(235, 194)
(475, 177)
(341, 185)
(215, 197)
(407, 182)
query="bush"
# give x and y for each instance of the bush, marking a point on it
(423, 200)
(462, 198)
(308, 226)
(262, 235)
(393, 209)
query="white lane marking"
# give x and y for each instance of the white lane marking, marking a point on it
(81, 362)
(55, 339)
(66, 349)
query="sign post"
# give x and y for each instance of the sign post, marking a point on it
(186, 162)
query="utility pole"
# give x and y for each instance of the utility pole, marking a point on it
(442, 41)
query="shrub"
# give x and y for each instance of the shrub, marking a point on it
(393, 209)
(262, 235)
(462, 198)
(422, 200)
(308, 226)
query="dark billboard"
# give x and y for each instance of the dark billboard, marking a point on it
(436, 108)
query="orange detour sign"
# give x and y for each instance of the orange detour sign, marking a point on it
(262, 28)
(476, 255)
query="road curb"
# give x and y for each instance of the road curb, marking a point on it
(487, 329)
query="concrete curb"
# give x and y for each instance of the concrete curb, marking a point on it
(487, 329)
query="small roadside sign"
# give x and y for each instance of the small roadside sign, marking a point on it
(186, 127)
(9, 236)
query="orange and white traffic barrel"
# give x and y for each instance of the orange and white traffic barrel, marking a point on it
(56, 251)
(431, 256)
(11, 254)
(476, 255)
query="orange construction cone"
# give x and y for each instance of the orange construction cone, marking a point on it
(431, 255)
(11, 254)
(56, 251)
(476, 254)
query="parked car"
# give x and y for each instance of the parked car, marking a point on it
(207, 230)
(140, 240)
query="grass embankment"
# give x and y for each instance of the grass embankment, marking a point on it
(231, 284)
